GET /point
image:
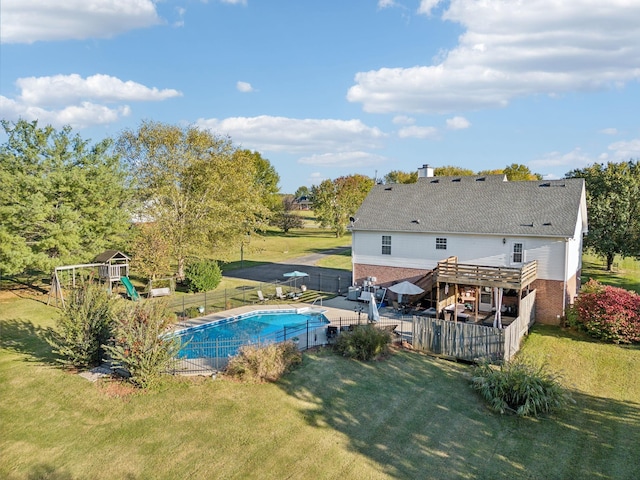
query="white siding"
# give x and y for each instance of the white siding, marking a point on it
(417, 250)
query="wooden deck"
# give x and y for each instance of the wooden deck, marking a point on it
(450, 271)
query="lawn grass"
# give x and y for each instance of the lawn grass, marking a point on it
(276, 246)
(625, 273)
(409, 416)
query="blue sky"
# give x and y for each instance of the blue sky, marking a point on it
(329, 88)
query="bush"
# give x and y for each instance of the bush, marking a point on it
(203, 275)
(519, 387)
(141, 346)
(264, 363)
(607, 313)
(365, 342)
(84, 327)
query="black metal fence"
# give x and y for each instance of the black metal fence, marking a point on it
(198, 304)
(208, 357)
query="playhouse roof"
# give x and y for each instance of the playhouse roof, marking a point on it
(110, 255)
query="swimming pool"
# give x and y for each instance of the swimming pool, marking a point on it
(224, 337)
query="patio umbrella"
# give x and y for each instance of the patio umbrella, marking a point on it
(295, 274)
(405, 288)
(497, 320)
(374, 315)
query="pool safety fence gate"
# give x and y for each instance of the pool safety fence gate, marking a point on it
(197, 304)
(208, 357)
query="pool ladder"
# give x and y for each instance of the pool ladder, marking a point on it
(317, 298)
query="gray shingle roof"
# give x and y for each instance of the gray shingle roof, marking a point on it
(474, 204)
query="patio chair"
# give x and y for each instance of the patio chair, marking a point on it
(279, 293)
(261, 296)
(303, 288)
(396, 307)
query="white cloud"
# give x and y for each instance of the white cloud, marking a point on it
(28, 21)
(427, 6)
(625, 151)
(386, 4)
(281, 134)
(403, 120)
(511, 50)
(235, 2)
(569, 161)
(343, 159)
(458, 123)
(78, 116)
(244, 87)
(609, 131)
(415, 131)
(64, 89)
(72, 100)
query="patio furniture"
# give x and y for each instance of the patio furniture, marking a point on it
(279, 293)
(261, 296)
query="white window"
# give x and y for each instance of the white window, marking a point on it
(386, 245)
(518, 253)
(441, 243)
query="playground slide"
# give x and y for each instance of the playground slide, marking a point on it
(131, 291)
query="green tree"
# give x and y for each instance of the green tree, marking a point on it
(194, 187)
(397, 176)
(497, 171)
(302, 191)
(266, 178)
(286, 218)
(613, 206)
(62, 201)
(334, 201)
(151, 252)
(451, 171)
(517, 172)
(84, 327)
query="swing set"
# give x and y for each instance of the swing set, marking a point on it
(112, 267)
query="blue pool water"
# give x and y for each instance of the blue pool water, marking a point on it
(253, 327)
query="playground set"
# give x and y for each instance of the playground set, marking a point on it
(112, 267)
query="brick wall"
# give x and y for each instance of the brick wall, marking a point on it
(386, 275)
(550, 298)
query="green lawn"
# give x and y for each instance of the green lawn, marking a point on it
(625, 273)
(411, 416)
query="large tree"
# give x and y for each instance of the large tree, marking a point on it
(613, 205)
(195, 187)
(518, 172)
(334, 201)
(398, 176)
(62, 200)
(265, 179)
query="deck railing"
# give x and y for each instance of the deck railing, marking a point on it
(467, 274)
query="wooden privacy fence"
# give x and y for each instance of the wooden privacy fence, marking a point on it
(473, 342)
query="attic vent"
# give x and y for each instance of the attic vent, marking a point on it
(388, 189)
(547, 224)
(435, 181)
(526, 224)
(481, 179)
(549, 184)
(545, 185)
(415, 221)
(458, 180)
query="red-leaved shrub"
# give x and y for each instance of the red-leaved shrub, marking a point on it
(608, 313)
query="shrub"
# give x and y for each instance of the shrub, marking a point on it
(203, 275)
(365, 342)
(264, 363)
(519, 387)
(607, 313)
(141, 346)
(83, 327)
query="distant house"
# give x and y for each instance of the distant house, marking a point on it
(302, 203)
(471, 233)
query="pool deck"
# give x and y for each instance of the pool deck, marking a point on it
(338, 311)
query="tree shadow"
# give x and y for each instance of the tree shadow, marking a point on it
(417, 417)
(25, 337)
